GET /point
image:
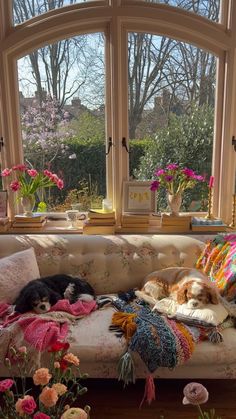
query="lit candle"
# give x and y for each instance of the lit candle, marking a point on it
(211, 182)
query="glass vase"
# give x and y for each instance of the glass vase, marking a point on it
(28, 203)
(174, 202)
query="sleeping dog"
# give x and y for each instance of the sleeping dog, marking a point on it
(40, 294)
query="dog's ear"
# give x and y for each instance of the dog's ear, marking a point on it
(213, 295)
(22, 304)
(182, 294)
(54, 297)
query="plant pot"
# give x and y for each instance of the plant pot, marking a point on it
(174, 202)
(28, 203)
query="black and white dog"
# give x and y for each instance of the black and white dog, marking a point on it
(40, 294)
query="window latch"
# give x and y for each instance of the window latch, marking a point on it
(124, 144)
(234, 142)
(1, 143)
(110, 144)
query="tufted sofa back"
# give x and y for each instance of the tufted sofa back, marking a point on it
(109, 263)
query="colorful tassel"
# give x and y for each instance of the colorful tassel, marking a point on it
(215, 336)
(149, 392)
(126, 369)
(125, 321)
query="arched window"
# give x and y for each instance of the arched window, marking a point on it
(134, 85)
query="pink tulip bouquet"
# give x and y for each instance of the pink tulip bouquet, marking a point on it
(175, 179)
(26, 181)
(57, 387)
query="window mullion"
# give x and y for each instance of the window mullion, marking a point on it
(119, 109)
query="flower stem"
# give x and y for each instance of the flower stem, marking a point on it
(200, 411)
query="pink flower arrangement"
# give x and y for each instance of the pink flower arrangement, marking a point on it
(58, 388)
(175, 179)
(26, 181)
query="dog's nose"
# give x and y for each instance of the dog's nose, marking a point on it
(43, 307)
(195, 304)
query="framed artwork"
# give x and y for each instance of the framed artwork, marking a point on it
(138, 197)
(3, 203)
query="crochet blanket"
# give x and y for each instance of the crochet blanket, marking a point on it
(218, 261)
(39, 331)
(160, 341)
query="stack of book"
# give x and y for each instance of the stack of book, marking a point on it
(33, 223)
(175, 223)
(205, 224)
(140, 223)
(99, 222)
(4, 224)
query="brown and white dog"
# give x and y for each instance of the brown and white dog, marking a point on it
(184, 285)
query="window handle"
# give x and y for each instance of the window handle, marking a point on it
(124, 144)
(1, 143)
(234, 142)
(110, 144)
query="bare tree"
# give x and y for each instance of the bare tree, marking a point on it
(158, 64)
(62, 68)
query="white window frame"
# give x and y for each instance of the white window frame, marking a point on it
(116, 18)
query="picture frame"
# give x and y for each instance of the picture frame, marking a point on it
(3, 204)
(138, 197)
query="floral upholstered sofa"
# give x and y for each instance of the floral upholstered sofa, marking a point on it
(111, 264)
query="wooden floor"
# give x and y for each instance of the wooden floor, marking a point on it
(109, 400)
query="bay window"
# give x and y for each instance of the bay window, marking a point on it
(106, 91)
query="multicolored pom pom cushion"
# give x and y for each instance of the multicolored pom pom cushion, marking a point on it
(218, 261)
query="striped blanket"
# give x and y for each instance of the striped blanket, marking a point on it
(159, 340)
(218, 261)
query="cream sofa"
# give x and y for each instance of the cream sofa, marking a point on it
(111, 264)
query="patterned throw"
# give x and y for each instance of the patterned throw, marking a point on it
(218, 261)
(159, 340)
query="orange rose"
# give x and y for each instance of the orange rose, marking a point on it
(60, 388)
(72, 359)
(48, 396)
(42, 377)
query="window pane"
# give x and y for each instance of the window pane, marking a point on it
(171, 111)
(63, 118)
(207, 8)
(26, 9)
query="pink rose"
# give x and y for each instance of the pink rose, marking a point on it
(40, 415)
(195, 393)
(32, 172)
(15, 185)
(28, 405)
(5, 385)
(6, 172)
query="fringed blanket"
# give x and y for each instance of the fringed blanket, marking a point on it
(159, 340)
(218, 261)
(39, 331)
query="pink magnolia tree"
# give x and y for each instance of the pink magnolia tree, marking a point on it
(45, 131)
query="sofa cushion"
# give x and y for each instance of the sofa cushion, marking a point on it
(212, 313)
(15, 272)
(218, 260)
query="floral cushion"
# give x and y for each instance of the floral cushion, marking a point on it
(16, 271)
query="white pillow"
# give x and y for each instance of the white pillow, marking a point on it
(16, 271)
(212, 313)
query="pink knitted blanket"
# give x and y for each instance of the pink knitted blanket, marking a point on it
(40, 331)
